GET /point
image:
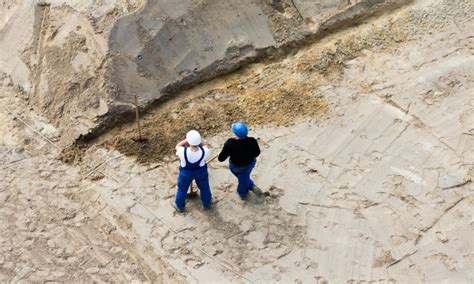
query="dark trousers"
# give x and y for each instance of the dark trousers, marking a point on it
(243, 175)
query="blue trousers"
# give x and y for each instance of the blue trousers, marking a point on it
(185, 178)
(243, 175)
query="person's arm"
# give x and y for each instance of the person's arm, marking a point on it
(207, 153)
(256, 149)
(225, 152)
(181, 144)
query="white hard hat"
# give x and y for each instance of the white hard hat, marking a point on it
(193, 137)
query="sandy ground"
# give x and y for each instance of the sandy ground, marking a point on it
(377, 188)
(54, 228)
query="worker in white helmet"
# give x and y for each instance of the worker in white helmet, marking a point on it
(193, 156)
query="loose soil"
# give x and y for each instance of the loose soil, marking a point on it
(213, 111)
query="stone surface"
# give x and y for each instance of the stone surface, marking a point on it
(378, 190)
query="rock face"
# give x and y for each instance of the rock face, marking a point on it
(166, 43)
(80, 62)
(55, 53)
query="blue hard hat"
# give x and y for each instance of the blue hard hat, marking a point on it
(240, 129)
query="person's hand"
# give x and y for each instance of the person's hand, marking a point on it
(183, 143)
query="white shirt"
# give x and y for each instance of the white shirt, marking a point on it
(193, 157)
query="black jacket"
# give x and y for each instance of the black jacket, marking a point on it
(242, 152)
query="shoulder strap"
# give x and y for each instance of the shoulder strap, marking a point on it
(203, 154)
(186, 155)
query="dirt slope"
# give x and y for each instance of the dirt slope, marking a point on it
(81, 62)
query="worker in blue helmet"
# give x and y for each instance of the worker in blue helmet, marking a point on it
(243, 151)
(193, 155)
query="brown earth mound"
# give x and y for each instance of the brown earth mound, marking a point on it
(213, 111)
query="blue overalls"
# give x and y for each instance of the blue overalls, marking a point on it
(187, 174)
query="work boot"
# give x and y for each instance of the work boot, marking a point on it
(213, 201)
(244, 198)
(173, 203)
(256, 190)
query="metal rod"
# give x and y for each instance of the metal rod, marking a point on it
(137, 115)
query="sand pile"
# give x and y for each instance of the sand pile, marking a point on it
(80, 63)
(271, 93)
